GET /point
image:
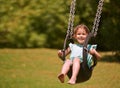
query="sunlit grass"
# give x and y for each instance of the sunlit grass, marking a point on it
(38, 68)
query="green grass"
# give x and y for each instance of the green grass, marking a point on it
(38, 68)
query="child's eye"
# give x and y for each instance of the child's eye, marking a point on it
(78, 34)
(81, 34)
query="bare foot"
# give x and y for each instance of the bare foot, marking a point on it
(61, 78)
(72, 82)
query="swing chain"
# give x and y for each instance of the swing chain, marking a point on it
(70, 27)
(71, 19)
(97, 18)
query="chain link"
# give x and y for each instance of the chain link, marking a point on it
(71, 22)
(71, 19)
(97, 18)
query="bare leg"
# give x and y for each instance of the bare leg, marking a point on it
(75, 71)
(66, 67)
(64, 70)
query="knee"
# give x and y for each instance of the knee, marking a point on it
(68, 61)
(76, 60)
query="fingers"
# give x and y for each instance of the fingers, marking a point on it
(60, 53)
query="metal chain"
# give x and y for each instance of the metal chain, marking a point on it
(71, 19)
(71, 22)
(97, 18)
(70, 27)
(93, 33)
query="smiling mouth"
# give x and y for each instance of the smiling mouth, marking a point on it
(80, 38)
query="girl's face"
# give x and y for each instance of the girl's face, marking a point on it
(80, 35)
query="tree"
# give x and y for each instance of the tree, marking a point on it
(43, 23)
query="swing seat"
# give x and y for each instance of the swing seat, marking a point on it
(86, 69)
(82, 75)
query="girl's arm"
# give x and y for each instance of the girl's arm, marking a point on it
(60, 52)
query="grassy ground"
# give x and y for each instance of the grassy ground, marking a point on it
(38, 68)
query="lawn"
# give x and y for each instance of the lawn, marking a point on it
(38, 68)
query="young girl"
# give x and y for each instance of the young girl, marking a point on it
(76, 57)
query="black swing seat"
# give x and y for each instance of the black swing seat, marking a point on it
(85, 71)
(83, 75)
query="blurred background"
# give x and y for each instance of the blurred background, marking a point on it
(31, 32)
(43, 23)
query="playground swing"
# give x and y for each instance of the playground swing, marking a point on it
(85, 71)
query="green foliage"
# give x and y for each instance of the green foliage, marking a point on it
(110, 24)
(43, 23)
(32, 23)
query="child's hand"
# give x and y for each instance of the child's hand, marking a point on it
(60, 53)
(92, 51)
(95, 53)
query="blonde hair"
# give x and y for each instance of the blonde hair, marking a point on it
(82, 26)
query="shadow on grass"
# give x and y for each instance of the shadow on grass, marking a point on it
(111, 58)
